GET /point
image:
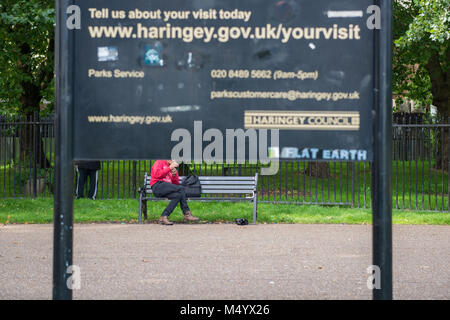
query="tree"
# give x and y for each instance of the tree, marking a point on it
(421, 52)
(422, 58)
(26, 62)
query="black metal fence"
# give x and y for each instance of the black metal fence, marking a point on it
(419, 174)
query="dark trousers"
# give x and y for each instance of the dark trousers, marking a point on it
(83, 175)
(175, 193)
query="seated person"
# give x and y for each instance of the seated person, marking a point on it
(165, 184)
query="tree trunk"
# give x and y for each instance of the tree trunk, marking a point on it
(318, 169)
(30, 139)
(441, 100)
(443, 149)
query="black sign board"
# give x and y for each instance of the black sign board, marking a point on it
(143, 69)
(132, 77)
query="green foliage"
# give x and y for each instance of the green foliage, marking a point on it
(421, 32)
(22, 176)
(26, 54)
(430, 26)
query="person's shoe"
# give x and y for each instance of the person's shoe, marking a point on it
(189, 217)
(164, 220)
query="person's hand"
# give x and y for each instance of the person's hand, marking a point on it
(174, 171)
(173, 165)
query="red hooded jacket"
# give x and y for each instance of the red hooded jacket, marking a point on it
(161, 172)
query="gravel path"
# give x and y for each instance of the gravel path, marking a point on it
(224, 261)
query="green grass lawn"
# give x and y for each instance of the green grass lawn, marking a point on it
(41, 211)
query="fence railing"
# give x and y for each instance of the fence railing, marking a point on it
(420, 170)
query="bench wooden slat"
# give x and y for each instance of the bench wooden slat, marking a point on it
(227, 187)
(227, 178)
(221, 178)
(216, 190)
(222, 184)
(205, 180)
(209, 198)
(213, 182)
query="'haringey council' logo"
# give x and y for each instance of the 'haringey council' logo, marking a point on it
(302, 120)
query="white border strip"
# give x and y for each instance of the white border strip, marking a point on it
(345, 14)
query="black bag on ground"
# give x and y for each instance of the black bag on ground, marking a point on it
(192, 187)
(241, 222)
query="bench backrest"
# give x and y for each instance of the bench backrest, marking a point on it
(220, 184)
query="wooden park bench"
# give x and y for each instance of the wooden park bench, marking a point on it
(215, 188)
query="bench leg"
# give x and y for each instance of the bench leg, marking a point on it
(255, 208)
(140, 210)
(144, 209)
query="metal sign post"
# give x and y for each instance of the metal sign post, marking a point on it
(63, 197)
(382, 164)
